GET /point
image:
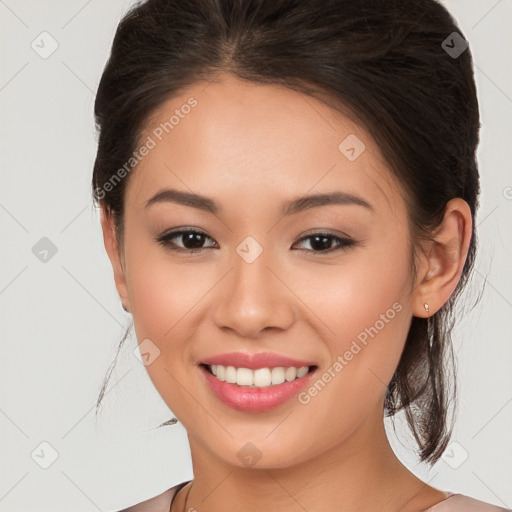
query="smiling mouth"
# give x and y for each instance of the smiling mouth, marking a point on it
(258, 378)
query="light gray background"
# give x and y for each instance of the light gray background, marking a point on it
(62, 319)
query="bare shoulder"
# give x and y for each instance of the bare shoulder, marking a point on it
(462, 503)
(160, 503)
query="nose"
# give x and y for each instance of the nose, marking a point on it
(254, 298)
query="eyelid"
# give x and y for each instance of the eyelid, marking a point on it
(344, 241)
(164, 239)
(326, 231)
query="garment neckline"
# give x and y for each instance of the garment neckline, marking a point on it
(430, 509)
(433, 507)
(178, 489)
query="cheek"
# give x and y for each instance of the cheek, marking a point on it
(164, 299)
(162, 294)
(365, 304)
(160, 290)
(367, 288)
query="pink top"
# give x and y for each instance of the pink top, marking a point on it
(454, 503)
(461, 503)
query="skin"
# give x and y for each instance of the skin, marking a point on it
(251, 147)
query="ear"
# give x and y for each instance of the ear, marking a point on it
(116, 258)
(443, 259)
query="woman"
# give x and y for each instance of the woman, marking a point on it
(288, 192)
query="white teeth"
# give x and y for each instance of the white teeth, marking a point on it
(290, 373)
(302, 371)
(230, 375)
(278, 375)
(261, 378)
(244, 377)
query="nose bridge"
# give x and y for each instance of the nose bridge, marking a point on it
(250, 274)
(253, 299)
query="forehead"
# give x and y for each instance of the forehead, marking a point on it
(234, 138)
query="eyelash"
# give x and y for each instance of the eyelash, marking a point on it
(165, 240)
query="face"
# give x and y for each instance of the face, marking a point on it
(325, 284)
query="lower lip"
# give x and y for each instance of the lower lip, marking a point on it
(248, 399)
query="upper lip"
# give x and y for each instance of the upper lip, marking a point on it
(255, 361)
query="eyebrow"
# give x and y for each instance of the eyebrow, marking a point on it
(289, 208)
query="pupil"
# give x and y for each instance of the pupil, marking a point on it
(325, 242)
(196, 240)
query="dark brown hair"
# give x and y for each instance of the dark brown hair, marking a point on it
(384, 62)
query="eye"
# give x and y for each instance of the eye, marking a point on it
(322, 242)
(192, 240)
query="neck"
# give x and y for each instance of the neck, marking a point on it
(360, 474)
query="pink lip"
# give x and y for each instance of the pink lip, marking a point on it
(255, 361)
(246, 399)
